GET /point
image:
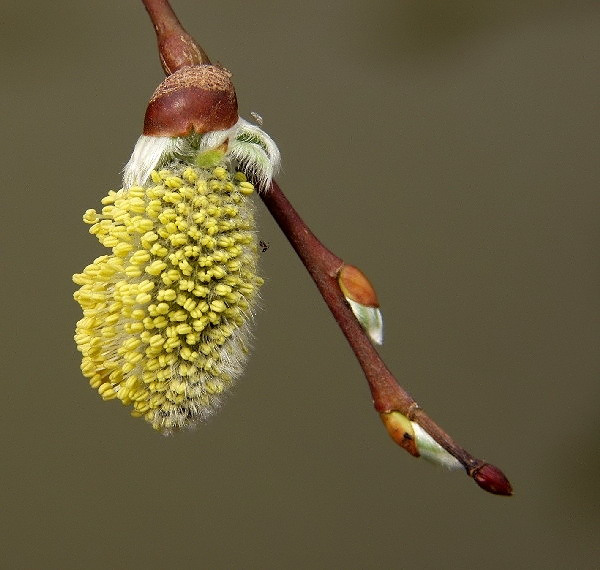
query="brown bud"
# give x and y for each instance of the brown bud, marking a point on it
(195, 99)
(356, 287)
(491, 479)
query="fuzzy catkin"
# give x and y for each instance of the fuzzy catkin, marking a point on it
(165, 324)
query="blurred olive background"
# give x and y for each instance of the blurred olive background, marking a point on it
(449, 149)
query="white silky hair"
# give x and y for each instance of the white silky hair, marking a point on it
(260, 159)
(370, 318)
(432, 450)
(247, 145)
(148, 154)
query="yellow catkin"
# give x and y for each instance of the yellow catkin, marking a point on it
(165, 315)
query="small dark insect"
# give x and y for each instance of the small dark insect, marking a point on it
(263, 245)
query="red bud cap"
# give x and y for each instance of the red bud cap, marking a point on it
(194, 99)
(491, 479)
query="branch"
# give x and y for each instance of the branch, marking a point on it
(176, 47)
(397, 408)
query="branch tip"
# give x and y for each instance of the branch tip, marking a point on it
(492, 480)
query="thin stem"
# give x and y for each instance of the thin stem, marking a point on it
(177, 48)
(324, 267)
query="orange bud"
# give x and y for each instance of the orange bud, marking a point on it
(400, 429)
(356, 287)
(362, 300)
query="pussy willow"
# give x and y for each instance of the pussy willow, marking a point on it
(167, 313)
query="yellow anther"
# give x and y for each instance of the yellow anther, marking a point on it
(140, 257)
(200, 324)
(179, 315)
(221, 289)
(115, 375)
(183, 329)
(159, 250)
(220, 173)
(217, 271)
(173, 182)
(170, 295)
(122, 249)
(218, 306)
(96, 381)
(171, 343)
(190, 175)
(148, 239)
(162, 309)
(155, 268)
(185, 267)
(82, 279)
(90, 216)
(143, 225)
(137, 205)
(183, 209)
(192, 338)
(177, 240)
(143, 298)
(133, 271)
(110, 198)
(132, 359)
(156, 341)
(156, 309)
(145, 286)
(106, 391)
(171, 331)
(246, 188)
(142, 407)
(200, 291)
(171, 276)
(232, 298)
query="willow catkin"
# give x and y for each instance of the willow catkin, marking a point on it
(166, 315)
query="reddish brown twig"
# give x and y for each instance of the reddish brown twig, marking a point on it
(177, 49)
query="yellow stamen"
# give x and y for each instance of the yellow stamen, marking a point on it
(165, 316)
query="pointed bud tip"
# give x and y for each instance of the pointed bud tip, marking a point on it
(491, 479)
